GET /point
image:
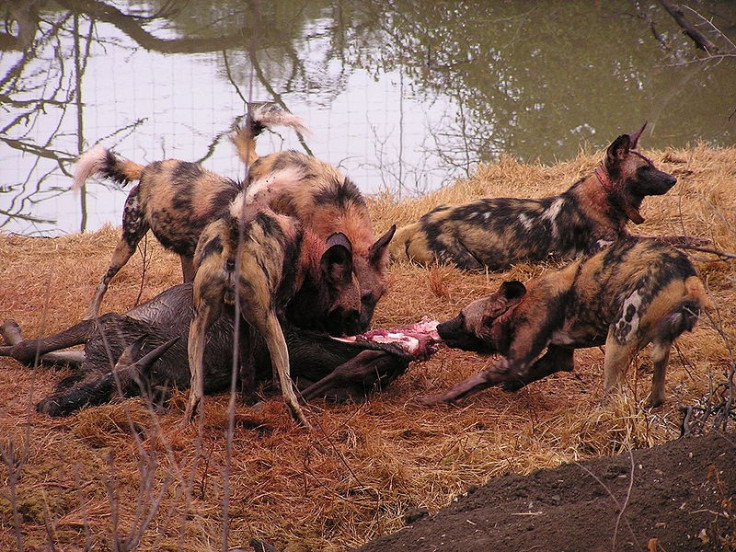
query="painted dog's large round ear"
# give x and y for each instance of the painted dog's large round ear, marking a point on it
(634, 136)
(337, 260)
(617, 152)
(512, 290)
(621, 146)
(378, 252)
(338, 238)
(508, 296)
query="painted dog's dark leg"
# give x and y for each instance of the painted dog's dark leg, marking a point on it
(556, 359)
(511, 374)
(457, 252)
(135, 227)
(477, 382)
(495, 374)
(187, 268)
(246, 351)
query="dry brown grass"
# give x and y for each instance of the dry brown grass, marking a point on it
(364, 466)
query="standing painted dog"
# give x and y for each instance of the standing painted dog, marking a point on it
(324, 201)
(265, 262)
(177, 199)
(174, 199)
(637, 291)
(494, 233)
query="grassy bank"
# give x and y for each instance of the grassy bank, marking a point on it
(100, 474)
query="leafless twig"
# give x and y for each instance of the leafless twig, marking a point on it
(701, 41)
(621, 506)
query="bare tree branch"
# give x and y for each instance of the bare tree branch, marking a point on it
(701, 41)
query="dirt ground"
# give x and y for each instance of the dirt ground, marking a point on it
(676, 496)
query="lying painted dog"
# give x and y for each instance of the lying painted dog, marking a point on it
(148, 348)
(494, 233)
(634, 293)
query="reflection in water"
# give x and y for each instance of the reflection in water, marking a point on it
(404, 96)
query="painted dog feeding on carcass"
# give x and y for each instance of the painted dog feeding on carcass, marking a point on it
(324, 201)
(144, 352)
(637, 291)
(174, 199)
(272, 269)
(494, 233)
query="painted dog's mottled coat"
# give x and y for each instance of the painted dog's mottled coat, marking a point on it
(262, 261)
(628, 295)
(174, 199)
(497, 232)
(325, 201)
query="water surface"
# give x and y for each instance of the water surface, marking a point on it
(404, 96)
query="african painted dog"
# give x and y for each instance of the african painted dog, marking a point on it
(637, 291)
(325, 201)
(175, 199)
(267, 263)
(497, 232)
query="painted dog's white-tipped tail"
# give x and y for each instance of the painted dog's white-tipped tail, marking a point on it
(266, 116)
(272, 115)
(89, 163)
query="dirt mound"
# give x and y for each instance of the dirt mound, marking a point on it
(676, 496)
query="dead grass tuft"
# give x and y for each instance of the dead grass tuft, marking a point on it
(364, 466)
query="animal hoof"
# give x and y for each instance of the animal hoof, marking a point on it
(9, 328)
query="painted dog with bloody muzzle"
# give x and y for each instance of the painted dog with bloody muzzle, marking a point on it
(637, 291)
(265, 263)
(494, 233)
(325, 201)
